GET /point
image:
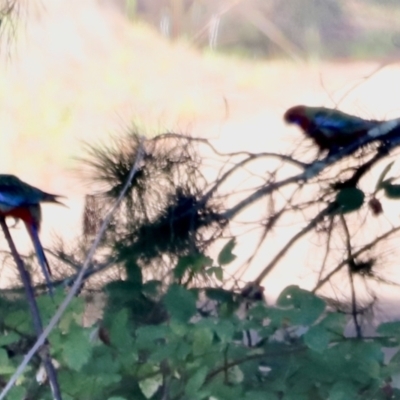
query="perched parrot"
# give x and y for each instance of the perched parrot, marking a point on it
(22, 201)
(330, 129)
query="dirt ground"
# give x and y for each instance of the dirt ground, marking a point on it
(78, 72)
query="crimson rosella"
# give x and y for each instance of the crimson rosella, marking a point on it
(22, 201)
(330, 129)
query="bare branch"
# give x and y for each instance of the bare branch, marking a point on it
(315, 221)
(353, 291)
(362, 250)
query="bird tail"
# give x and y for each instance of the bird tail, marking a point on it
(44, 264)
(383, 128)
(52, 198)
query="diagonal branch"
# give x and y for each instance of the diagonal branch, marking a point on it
(37, 322)
(317, 219)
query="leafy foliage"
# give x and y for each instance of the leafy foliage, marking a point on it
(301, 352)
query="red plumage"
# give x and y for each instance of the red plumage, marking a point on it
(22, 201)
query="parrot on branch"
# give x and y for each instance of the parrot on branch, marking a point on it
(20, 200)
(333, 129)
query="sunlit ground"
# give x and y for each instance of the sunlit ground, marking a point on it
(76, 72)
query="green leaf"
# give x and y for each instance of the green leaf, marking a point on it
(180, 303)
(235, 375)
(147, 335)
(119, 331)
(392, 191)
(116, 398)
(196, 381)
(77, 348)
(371, 368)
(19, 320)
(134, 272)
(388, 341)
(221, 391)
(202, 340)
(165, 352)
(81, 385)
(218, 272)
(261, 395)
(194, 263)
(317, 338)
(225, 330)
(47, 307)
(146, 370)
(17, 393)
(300, 306)
(183, 350)
(259, 311)
(5, 367)
(382, 176)
(334, 322)
(179, 328)
(389, 328)
(150, 386)
(297, 396)
(8, 338)
(349, 199)
(152, 287)
(3, 357)
(182, 266)
(73, 313)
(343, 390)
(226, 256)
(220, 295)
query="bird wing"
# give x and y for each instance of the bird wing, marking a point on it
(10, 200)
(16, 193)
(336, 122)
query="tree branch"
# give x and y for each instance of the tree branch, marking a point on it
(37, 322)
(350, 263)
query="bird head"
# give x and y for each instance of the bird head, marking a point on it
(297, 115)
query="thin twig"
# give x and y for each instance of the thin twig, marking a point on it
(361, 170)
(314, 222)
(355, 254)
(241, 164)
(327, 249)
(351, 257)
(269, 225)
(249, 154)
(75, 287)
(37, 322)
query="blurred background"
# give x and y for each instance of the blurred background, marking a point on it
(81, 70)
